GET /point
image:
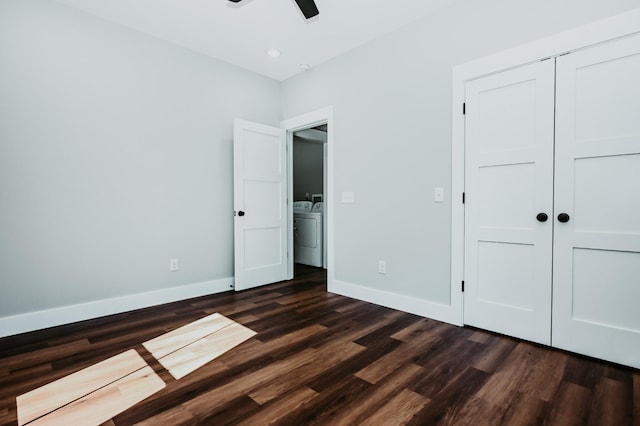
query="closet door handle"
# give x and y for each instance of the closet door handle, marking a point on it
(240, 213)
(563, 218)
(542, 217)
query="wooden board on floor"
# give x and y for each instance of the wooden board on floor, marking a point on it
(191, 357)
(107, 402)
(54, 395)
(174, 340)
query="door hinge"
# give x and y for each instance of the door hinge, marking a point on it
(463, 198)
(463, 286)
(464, 108)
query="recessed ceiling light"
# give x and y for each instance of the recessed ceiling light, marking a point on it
(305, 66)
(274, 53)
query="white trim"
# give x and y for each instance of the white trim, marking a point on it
(579, 38)
(591, 34)
(32, 321)
(305, 121)
(424, 308)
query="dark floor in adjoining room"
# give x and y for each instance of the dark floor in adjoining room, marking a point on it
(321, 358)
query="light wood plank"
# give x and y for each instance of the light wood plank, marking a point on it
(105, 403)
(54, 395)
(174, 340)
(193, 356)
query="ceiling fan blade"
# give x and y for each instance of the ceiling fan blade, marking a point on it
(308, 8)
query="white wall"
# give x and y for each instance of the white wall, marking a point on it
(308, 159)
(115, 155)
(392, 102)
(115, 149)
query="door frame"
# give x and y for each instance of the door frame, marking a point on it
(621, 25)
(292, 125)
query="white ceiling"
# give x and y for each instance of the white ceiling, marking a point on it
(241, 33)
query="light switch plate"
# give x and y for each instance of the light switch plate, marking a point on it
(438, 195)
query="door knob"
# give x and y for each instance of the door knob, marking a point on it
(542, 217)
(563, 218)
(240, 213)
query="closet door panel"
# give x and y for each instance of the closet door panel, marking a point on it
(508, 181)
(596, 283)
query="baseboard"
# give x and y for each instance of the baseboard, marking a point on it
(424, 308)
(32, 321)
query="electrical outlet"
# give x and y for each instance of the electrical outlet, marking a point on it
(173, 265)
(382, 267)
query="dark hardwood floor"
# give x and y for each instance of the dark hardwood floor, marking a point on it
(320, 358)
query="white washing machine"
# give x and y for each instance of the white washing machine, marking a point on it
(307, 233)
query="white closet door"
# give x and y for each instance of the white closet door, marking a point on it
(596, 296)
(508, 182)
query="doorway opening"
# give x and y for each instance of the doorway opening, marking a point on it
(309, 143)
(309, 180)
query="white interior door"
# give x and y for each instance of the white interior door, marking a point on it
(508, 182)
(596, 292)
(260, 204)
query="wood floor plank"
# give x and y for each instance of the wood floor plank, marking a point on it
(418, 330)
(447, 403)
(43, 400)
(390, 362)
(174, 416)
(327, 381)
(367, 403)
(497, 350)
(478, 412)
(277, 409)
(502, 386)
(323, 408)
(612, 404)
(399, 410)
(480, 337)
(525, 409)
(572, 405)
(207, 402)
(325, 358)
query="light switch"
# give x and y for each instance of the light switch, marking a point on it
(348, 198)
(438, 195)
